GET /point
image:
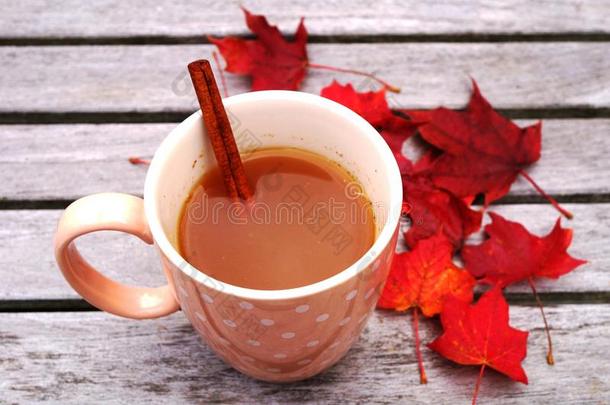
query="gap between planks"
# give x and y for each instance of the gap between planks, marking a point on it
(117, 117)
(55, 204)
(153, 40)
(550, 299)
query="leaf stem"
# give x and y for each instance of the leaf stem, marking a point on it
(550, 199)
(475, 394)
(549, 355)
(385, 84)
(423, 379)
(135, 160)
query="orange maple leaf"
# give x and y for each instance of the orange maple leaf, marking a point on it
(423, 279)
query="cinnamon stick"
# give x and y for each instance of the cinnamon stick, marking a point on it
(219, 130)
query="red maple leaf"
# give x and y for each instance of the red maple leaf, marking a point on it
(479, 334)
(373, 107)
(273, 62)
(512, 254)
(483, 151)
(432, 208)
(423, 278)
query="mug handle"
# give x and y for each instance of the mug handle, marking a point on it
(112, 212)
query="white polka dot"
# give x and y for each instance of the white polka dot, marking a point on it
(254, 342)
(274, 370)
(313, 343)
(303, 362)
(183, 292)
(369, 293)
(246, 305)
(229, 323)
(267, 322)
(248, 359)
(344, 321)
(207, 298)
(302, 309)
(280, 356)
(351, 295)
(322, 318)
(288, 335)
(200, 316)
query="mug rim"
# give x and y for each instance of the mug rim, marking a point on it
(382, 240)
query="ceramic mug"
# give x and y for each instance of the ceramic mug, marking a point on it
(273, 335)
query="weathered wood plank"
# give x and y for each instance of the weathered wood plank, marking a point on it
(75, 159)
(29, 271)
(154, 78)
(113, 18)
(26, 240)
(72, 358)
(82, 159)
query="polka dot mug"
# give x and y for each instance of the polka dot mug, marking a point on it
(272, 335)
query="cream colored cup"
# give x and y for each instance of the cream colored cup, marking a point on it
(280, 335)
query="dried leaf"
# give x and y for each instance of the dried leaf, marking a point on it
(483, 151)
(512, 254)
(272, 61)
(479, 334)
(433, 209)
(373, 107)
(423, 279)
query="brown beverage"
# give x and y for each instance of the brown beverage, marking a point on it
(306, 223)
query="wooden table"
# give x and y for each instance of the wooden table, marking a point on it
(84, 85)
